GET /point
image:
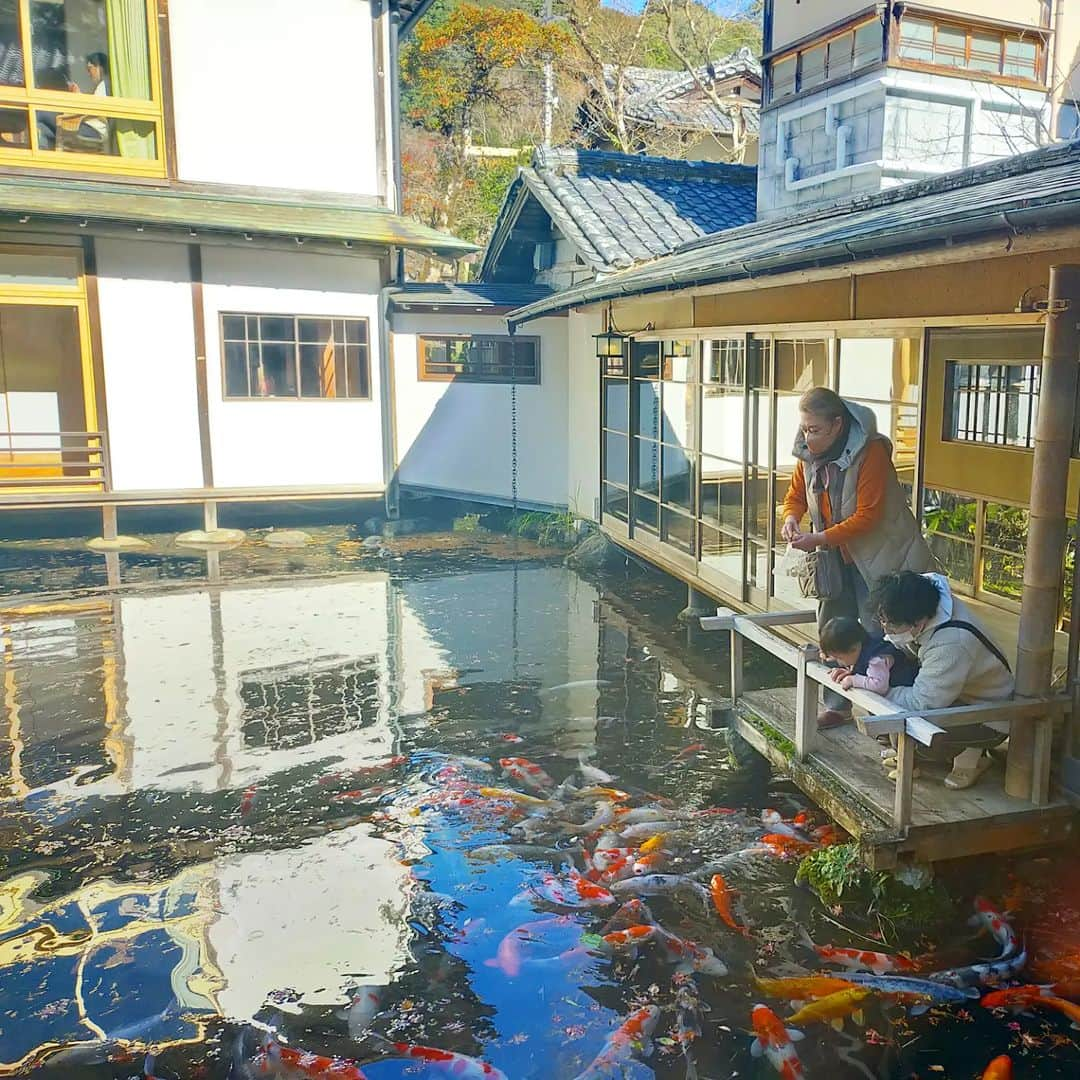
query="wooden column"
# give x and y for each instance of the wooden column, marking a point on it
(1045, 550)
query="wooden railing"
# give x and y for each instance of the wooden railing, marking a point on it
(51, 459)
(926, 726)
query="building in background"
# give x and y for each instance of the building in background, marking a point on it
(193, 254)
(861, 97)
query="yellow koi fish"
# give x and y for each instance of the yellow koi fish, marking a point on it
(833, 1009)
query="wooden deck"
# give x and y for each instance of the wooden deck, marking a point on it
(843, 775)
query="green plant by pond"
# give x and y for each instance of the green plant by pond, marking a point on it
(551, 529)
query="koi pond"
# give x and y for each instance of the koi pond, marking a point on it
(449, 808)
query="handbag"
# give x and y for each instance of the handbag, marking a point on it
(821, 574)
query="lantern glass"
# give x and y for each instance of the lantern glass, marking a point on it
(609, 346)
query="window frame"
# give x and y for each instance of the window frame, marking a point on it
(27, 98)
(825, 42)
(971, 28)
(298, 398)
(423, 375)
(954, 426)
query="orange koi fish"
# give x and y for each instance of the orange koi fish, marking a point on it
(573, 891)
(1026, 997)
(802, 989)
(630, 938)
(999, 1069)
(526, 772)
(632, 1036)
(787, 845)
(834, 1008)
(860, 959)
(275, 1057)
(775, 1042)
(721, 898)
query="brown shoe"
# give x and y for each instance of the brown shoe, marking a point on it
(832, 718)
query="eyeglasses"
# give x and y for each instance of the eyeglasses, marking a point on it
(813, 430)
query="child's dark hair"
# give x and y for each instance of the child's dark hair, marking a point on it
(841, 635)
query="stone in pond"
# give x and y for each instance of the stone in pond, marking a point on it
(211, 537)
(117, 543)
(287, 538)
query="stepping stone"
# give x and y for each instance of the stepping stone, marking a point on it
(211, 538)
(118, 543)
(288, 538)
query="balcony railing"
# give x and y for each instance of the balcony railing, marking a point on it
(43, 460)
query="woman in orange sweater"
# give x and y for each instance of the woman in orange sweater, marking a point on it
(860, 519)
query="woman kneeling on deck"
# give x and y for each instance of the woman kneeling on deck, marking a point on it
(845, 478)
(958, 663)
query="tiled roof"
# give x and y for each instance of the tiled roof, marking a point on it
(1034, 191)
(623, 209)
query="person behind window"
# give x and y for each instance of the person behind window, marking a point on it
(845, 478)
(958, 663)
(97, 67)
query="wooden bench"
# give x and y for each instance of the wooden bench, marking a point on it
(926, 727)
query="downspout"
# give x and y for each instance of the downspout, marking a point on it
(388, 391)
(1052, 75)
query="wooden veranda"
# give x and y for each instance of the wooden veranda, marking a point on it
(913, 817)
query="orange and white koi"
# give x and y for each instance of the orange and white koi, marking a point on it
(510, 737)
(775, 1042)
(603, 859)
(689, 955)
(784, 827)
(649, 863)
(629, 939)
(572, 891)
(363, 1008)
(999, 1069)
(600, 791)
(458, 1065)
(633, 1036)
(1019, 998)
(287, 1061)
(860, 959)
(989, 918)
(834, 1008)
(787, 845)
(528, 773)
(808, 988)
(632, 913)
(721, 895)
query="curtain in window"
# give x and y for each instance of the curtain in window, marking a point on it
(129, 63)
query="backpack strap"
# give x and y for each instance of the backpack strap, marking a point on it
(960, 624)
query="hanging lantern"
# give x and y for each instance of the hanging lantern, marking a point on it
(609, 345)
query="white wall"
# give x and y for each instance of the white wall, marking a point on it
(288, 443)
(583, 414)
(267, 93)
(456, 436)
(148, 343)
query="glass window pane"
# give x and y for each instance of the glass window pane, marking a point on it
(236, 384)
(950, 47)
(616, 397)
(647, 408)
(317, 331)
(616, 451)
(232, 327)
(276, 328)
(646, 514)
(616, 502)
(14, 129)
(85, 133)
(356, 331)
(647, 454)
(760, 362)
(274, 373)
(867, 44)
(678, 468)
(985, 52)
(317, 374)
(879, 369)
(1003, 574)
(11, 46)
(721, 492)
(801, 364)
(783, 77)
(678, 415)
(357, 371)
(723, 362)
(21, 269)
(1021, 58)
(812, 67)
(721, 553)
(949, 521)
(677, 530)
(758, 507)
(682, 368)
(757, 565)
(916, 39)
(87, 47)
(645, 359)
(840, 55)
(1006, 527)
(722, 422)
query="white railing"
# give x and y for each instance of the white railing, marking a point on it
(926, 727)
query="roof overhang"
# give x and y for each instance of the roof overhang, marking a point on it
(209, 211)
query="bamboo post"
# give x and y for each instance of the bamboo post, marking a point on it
(1045, 549)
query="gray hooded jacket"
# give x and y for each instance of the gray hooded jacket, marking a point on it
(896, 543)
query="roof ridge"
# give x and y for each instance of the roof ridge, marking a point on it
(561, 158)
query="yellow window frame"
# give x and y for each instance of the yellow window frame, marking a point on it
(72, 296)
(29, 98)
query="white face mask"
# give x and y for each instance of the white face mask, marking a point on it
(901, 637)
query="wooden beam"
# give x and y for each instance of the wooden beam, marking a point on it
(965, 715)
(905, 778)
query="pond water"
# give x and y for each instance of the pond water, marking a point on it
(229, 806)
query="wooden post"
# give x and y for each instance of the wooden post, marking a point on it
(905, 778)
(1045, 549)
(736, 665)
(806, 700)
(210, 515)
(108, 521)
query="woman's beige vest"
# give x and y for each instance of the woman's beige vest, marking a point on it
(896, 543)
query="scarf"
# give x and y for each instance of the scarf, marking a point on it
(824, 473)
